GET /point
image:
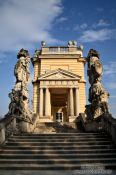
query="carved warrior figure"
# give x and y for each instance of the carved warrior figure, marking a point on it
(19, 105)
(98, 96)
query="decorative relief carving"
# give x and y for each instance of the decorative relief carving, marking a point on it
(58, 76)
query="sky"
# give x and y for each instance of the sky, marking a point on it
(25, 23)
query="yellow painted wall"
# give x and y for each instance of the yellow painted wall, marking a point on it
(37, 69)
(82, 97)
(71, 64)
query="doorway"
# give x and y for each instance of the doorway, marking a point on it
(59, 102)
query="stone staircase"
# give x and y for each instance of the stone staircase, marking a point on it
(57, 127)
(58, 151)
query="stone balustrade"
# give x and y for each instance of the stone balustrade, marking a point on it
(106, 123)
(109, 125)
(10, 125)
(7, 128)
(58, 49)
(62, 50)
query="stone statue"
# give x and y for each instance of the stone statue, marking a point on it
(98, 96)
(95, 69)
(19, 105)
(21, 70)
(36, 55)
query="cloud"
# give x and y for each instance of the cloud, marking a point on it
(82, 26)
(62, 19)
(100, 23)
(1, 61)
(110, 68)
(112, 85)
(98, 35)
(3, 58)
(112, 96)
(23, 23)
(113, 109)
(100, 9)
(110, 71)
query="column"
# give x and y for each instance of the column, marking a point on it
(41, 102)
(71, 102)
(35, 98)
(47, 103)
(68, 104)
(77, 110)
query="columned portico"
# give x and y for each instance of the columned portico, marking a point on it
(59, 93)
(64, 100)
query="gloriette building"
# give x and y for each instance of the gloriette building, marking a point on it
(59, 83)
(61, 133)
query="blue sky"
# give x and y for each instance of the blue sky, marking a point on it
(26, 23)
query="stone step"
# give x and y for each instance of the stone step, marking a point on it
(56, 139)
(51, 147)
(60, 160)
(70, 166)
(57, 151)
(57, 156)
(61, 151)
(61, 134)
(59, 143)
(61, 138)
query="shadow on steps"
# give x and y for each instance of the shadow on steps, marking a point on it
(57, 127)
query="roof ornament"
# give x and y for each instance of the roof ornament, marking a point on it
(81, 47)
(72, 43)
(43, 43)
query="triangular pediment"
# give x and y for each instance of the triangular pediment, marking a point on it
(59, 74)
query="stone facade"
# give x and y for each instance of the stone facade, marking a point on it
(59, 83)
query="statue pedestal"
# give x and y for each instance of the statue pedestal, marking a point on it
(25, 126)
(72, 119)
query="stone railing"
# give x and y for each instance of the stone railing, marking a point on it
(105, 123)
(61, 50)
(10, 125)
(7, 128)
(58, 49)
(109, 126)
